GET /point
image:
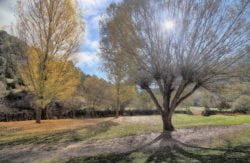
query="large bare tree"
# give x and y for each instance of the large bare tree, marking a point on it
(52, 30)
(179, 46)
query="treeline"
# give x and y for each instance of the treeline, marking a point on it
(88, 113)
(88, 91)
(98, 94)
(232, 95)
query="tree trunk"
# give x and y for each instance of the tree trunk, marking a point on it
(73, 114)
(122, 109)
(167, 122)
(117, 113)
(117, 101)
(46, 114)
(38, 115)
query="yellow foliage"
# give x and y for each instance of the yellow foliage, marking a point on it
(126, 94)
(96, 92)
(61, 77)
(52, 30)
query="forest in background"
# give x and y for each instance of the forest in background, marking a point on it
(95, 94)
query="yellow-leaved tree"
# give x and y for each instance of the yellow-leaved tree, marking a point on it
(127, 94)
(52, 30)
(96, 93)
(62, 78)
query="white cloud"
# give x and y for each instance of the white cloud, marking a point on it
(93, 7)
(7, 12)
(92, 44)
(95, 21)
(93, 11)
(92, 2)
(89, 58)
(95, 45)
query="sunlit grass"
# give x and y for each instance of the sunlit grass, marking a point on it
(235, 139)
(187, 120)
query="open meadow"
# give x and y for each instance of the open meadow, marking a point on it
(124, 81)
(126, 139)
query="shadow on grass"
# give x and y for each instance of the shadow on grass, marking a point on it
(171, 150)
(75, 135)
(189, 154)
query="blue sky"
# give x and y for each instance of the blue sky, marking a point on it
(89, 61)
(87, 57)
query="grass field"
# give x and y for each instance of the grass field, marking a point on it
(60, 131)
(231, 148)
(41, 142)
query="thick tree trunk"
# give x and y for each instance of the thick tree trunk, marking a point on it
(38, 115)
(167, 123)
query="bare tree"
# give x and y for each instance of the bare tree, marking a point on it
(52, 29)
(179, 46)
(113, 58)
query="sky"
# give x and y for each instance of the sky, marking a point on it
(87, 57)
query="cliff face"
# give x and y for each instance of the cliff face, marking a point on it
(12, 51)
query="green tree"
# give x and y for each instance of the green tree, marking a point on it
(242, 104)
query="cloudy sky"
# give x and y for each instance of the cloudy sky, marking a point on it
(88, 59)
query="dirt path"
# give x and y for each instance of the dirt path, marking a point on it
(35, 153)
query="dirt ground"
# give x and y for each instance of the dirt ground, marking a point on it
(35, 153)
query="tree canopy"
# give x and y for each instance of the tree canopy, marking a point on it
(52, 29)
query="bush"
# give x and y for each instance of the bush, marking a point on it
(2, 89)
(206, 111)
(188, 111)
(242, 104)
(223, 105)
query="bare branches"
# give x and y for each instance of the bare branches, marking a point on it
(188, 94)
(158, 106)
(205, 39)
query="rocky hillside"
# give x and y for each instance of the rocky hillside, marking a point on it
(11, 52)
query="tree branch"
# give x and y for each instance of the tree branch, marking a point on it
(188, 94)
(154, 99)
(178, 93)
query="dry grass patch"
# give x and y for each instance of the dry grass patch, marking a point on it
(15, 130)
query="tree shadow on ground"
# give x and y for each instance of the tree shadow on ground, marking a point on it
(171, 150)
(68, 136)
(80, 134)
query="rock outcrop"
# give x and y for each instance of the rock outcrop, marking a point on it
(12, 52)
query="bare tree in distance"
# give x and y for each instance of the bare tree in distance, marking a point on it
(113, 58)
(178, 46)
